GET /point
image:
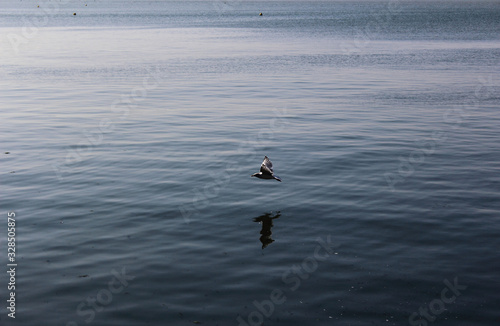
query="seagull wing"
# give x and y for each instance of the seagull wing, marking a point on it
(266, 166)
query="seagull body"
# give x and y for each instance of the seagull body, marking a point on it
(266, 170)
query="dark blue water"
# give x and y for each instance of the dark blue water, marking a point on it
(130, 131)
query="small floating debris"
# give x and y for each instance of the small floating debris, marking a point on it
(83, 275)
(7, 152)
(74, 14)
(260, 14)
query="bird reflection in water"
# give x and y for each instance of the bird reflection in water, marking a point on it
(267, 223)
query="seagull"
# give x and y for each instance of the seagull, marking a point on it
(266, 170)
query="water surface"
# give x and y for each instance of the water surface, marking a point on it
(132, 129)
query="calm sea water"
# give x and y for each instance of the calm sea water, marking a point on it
(130, 131)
